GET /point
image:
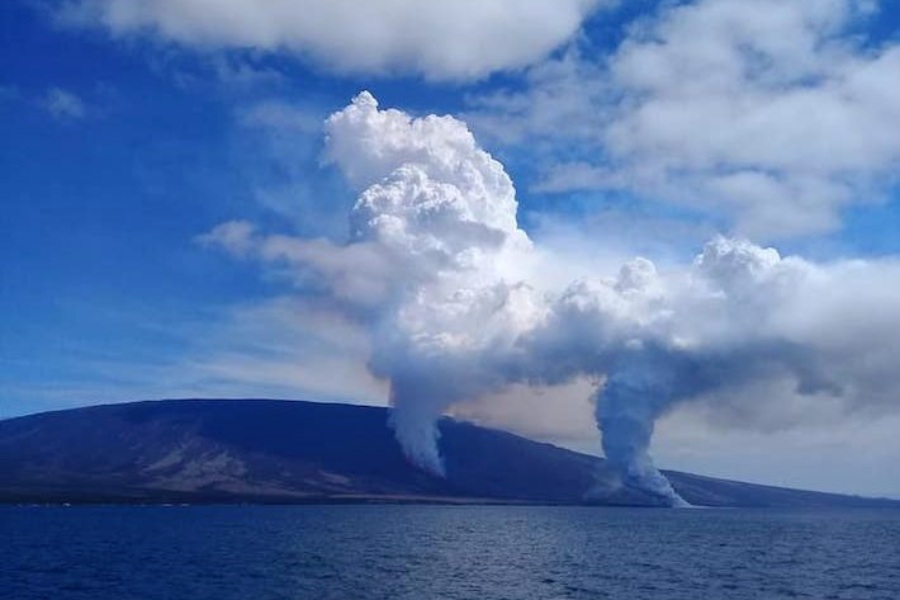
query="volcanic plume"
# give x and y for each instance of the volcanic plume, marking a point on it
(458, 304)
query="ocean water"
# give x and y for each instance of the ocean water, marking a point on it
(454, 552)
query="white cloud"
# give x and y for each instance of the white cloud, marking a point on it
(462, 309)
(441, 39)
(772, 114)
(234, 236)
(63, 104)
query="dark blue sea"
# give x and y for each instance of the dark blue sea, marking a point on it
(454, 552)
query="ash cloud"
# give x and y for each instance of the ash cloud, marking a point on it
(459, 303)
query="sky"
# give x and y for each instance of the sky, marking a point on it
(696, 201)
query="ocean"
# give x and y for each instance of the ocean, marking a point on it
(419, 552)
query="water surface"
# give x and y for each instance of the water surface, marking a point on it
(454, 552)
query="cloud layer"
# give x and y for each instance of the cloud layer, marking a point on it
(447, 39)
(460, 306)
(772, 117)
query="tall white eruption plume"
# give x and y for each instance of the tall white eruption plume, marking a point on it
(445, 212)
(459, 304)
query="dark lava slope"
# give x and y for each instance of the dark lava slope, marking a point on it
(291, 451)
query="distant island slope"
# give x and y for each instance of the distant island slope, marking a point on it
(302, 452)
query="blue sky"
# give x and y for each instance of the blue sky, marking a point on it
(129, 135)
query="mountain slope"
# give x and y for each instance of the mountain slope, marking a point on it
(287, 451)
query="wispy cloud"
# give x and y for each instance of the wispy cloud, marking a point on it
(238, 71)
(280, 347)
(9, 92)
(63, 105)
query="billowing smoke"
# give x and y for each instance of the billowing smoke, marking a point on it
(445, 212)
(460, 306)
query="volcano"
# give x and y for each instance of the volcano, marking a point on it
(279, 451)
